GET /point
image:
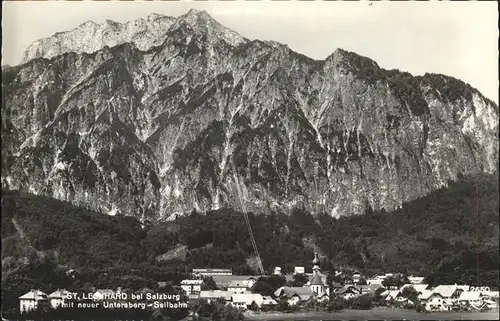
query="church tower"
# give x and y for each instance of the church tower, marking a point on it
(316, 268)
(316, 284)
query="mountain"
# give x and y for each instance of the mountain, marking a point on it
(90, 37)
(198, 117)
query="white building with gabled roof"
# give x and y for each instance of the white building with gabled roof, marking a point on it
(191, 287)
(32, 301)
(448, 291)
(244, 300)
(235, 286)
(211, 272)
(214, 295)
(294, 295)
(223, 281)
(58, 298)
(416, 279)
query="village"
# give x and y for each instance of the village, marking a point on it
(242, 292)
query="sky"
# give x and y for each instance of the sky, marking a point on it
(457, 39)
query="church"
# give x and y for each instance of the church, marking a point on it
(317, 282)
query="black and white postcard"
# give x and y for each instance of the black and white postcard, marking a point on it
(263, 160)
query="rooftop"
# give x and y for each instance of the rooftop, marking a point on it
(215, 294)
(247, 298)
(236, 283)
(191, 282)
(304, 293)
(316, 280)
(470, 296)
(445, 290)
(61, 293)
(34, 295)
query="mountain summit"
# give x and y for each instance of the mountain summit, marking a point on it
(90, 37)
(156, 118)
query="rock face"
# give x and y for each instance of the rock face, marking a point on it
(201, 118)
(91, 37)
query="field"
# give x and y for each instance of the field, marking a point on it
(373, 314)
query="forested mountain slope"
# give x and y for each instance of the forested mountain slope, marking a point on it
(434, 236)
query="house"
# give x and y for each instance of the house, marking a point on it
(336, 286)
(277, 270)
(401, 300)
(491, 294)
(368, 288)
(491, 304)
(375, 281)
(464, 288)
(215, 295)
(236, 286)
(425, 295)
(436, 302)
(223, 281)
(471, 298)
(58, 298)
(448, 291)
(299, 270)
(416, 279)
(103, 294)
(294, 295)
(356, 277)
(348, 291)
(33, 300)
(393, 295)
(267, 300)
(191, 286)
(418, 287)
(245, 300)
(211, 272)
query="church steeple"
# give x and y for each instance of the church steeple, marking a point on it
(315, 262)
(316, 259)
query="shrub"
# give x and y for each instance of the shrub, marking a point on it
(362, 302)
(335, 304)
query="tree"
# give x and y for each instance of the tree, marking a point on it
(362, 281)
(299, 280)
(419, 307)
(398, 281)
(254, 306)
(262, 287)
(231, 313)
(336, 303)
(311, 304)
(267, 285)
(410, 293)
(330, 278)
(362, 302)
(378, 295)
(208, 284)
(283, 305)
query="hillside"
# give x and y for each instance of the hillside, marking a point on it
(159, 117)
(431, 236)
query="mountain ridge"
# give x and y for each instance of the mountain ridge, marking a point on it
(143, 33)
(177, 127)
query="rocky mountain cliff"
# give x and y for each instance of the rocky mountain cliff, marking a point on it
(197, 117)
